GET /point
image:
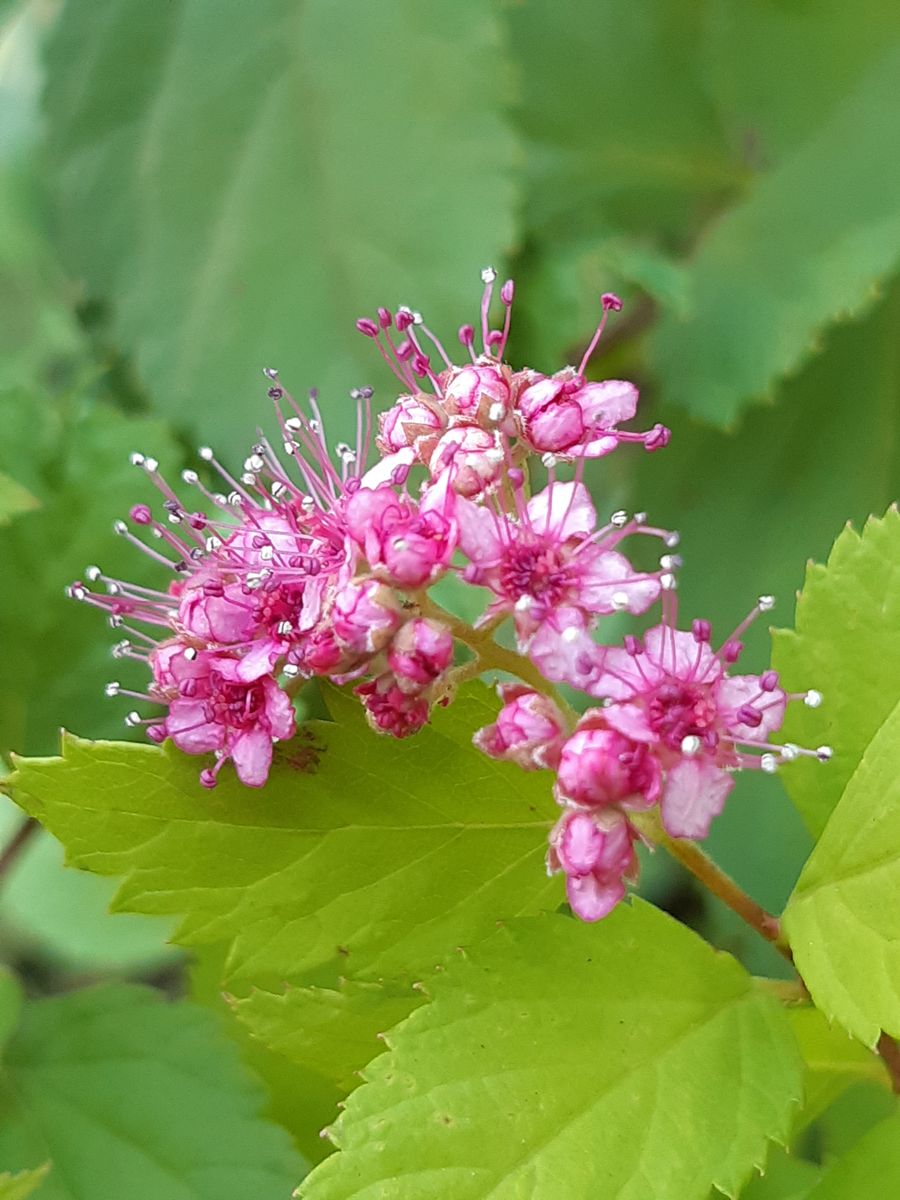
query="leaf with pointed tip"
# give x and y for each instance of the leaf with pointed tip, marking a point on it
(240, 187)
(799, 266)
(363, 857)
(784, 1178)
(14, 499)
(846, 642)
(843, 919)
(834, 1061)
(560, 1059)
(129, 1095)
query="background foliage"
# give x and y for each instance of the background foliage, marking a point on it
(194, 190)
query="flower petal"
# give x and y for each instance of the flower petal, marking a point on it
(695, 792)
(593, 898)
(562, 509)
(251, 753)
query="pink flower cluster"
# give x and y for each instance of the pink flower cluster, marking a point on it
(309, 563)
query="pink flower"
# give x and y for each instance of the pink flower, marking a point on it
(419, 654)
(674, 695)
(412, 421)
(596, 852)
(480, 393)
(548, 557)
(471, 458)
(600, 767)
(566, 416)
(529, 729)
(364, 616)
(213, 710)
(390, 709)
(406, 544)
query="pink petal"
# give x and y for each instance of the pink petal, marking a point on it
(630, 720)
(380, 474)
(622, 678)
(478, 536)
(605, 574)
(279, 710)
(606, 404)
(258, 661)
(563, 509)
(679, 654)
(564, 651)
(695, 792)
(190, 730)
(251, 753)
(592, 898)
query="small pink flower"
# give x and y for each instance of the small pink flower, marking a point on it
(529, 729)
(565, 416)
(548, 557)
(600, 767)
(213, 710)
(595, 850)
(471, 458)
(406, 544)
(419, 654)
(390, 709)
(480, 393)
(411, 421)
(364, 616)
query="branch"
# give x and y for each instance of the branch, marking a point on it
(19, 841)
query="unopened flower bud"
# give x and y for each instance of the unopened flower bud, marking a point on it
(364, 616)
(421, 651)
(529, 729)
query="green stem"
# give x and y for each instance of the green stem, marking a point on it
(714, 879)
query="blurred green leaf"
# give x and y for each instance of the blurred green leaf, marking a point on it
(22, 1184)
(64, 915)
(777, 269)
(870, 1168)
(843, 919)
(131, 1096)
(846, 640)
(14, 499)
(363, 857)
(74, 458)
(599, 1059)
(851, 1116)
(10, 1005)
(241, 182)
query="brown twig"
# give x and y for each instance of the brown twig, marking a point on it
(889, 1052)
(19, 841)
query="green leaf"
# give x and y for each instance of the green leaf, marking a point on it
(363, 857)
(14, 499)
(620, 132)
(131, 1096)
(560, 1059)
(870, 1168)
(55, 661)
(241, 185)
(777, 269)
(845, 641)
(785, 1178)
(23, 1183)
(329, 1030)
(843, 919)
(834, 1061)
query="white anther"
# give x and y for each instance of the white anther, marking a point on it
(277, 489)
(120, 649)
(789, 751)
(254, 463)
(308, 503)
(112, 588)
(133, 718)
(136, 459)
(76, 592)
(120, 527)
(417, 317)
(399, 543)
(156, 531)
(769, 764)
(672, 539)
(766, 603)
(283, 628)
(315, 426)
(291, 670)
(267, 553)
(206, 453)
(294, 424)
(175, 518)
(619, 601)
(824, 753)
(270, 372)
(289, 447)
(570, 634)
(812, 699)
(668, 582)
(92, 574)
(234, 499)
(190, 477)
(690, 745)
(190, 653)
(112, 689)
(150, 465)
(488, 275)
(114, 621)
(669, 562)
(213, 543)
(249, 478)
(640, 517)
(496, 411)
(549, 460)
(619, 518)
